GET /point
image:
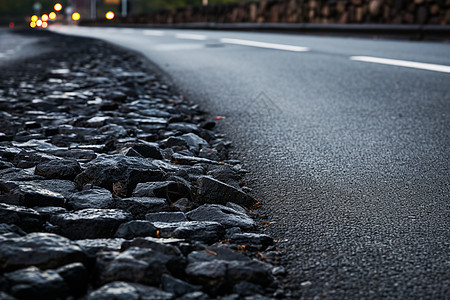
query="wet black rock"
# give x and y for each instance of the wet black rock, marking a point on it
(226, 175)
(120, 290)
(90, 223)
(76, 277)
(214, 191)
(92, 198)
(32, 283)
(49, 251)
(136, 228)
(226, 216)
(141, 265)
(219, 276)
(177, 286)
(58, 169)
(216, 253)
(11, 231)
(148, 150)
(207, 232)
(254, 240)
(169, 190)
(92, 246)
(140, 206)
(38, 192)
(168, 217)
(26, 218)
(119, 174)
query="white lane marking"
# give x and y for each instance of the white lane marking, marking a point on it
(264, 45)
(402, 63)
(153, 32)
(188, 36)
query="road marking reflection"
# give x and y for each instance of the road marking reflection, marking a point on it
(187, 36)
(403, 63)
(264, 45)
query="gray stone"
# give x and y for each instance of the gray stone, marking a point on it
(194, 142)
(219, 276)
(254, 240)
(177, 286)
(168, 217)
(49, 251)
(140, 206)
(213, 191)
(90, 223)
(169, 190)
(120, 290)
(208, 232)
(216, 253)
(11, 231)
(136, 228)
(195, 296)
(76, 277)
(226, 175)
(141, 265)
(26, 218)
(224, 215)
(148, 150)
(183, 205)
(92, 198)
(119, 173)
(93, 246)
(58, 169)
(163, 245)
(32, 283)
(38, 192)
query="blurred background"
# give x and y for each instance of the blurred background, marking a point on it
(429, 12)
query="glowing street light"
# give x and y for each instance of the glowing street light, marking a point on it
(76, 16)
(44, 24)
(39, 23)
(52, 15)
(57, 7)
(44, 18)
(34, 18)
(32, 24)
(109, 15)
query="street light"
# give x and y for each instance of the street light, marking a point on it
(52, 15)
(34, 18)
(57, 7)
(76, 16)
(109, 15)
(44, 18)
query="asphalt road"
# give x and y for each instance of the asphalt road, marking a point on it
(349, 154)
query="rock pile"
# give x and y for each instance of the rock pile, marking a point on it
(113, 187)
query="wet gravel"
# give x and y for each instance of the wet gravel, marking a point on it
(112, 186)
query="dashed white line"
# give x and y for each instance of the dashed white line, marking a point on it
(264, 45)
(153, 32)
(403, 63)
(188, 36)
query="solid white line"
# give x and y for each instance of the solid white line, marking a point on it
(187, 36)
(153, 32)
(264, 45)
(403, 63)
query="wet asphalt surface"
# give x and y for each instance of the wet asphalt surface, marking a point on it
(350, 160)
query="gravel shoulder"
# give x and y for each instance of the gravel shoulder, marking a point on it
(114, 187)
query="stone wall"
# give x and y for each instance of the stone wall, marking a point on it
(433, 12)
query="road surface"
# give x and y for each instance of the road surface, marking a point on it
(348, 145)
